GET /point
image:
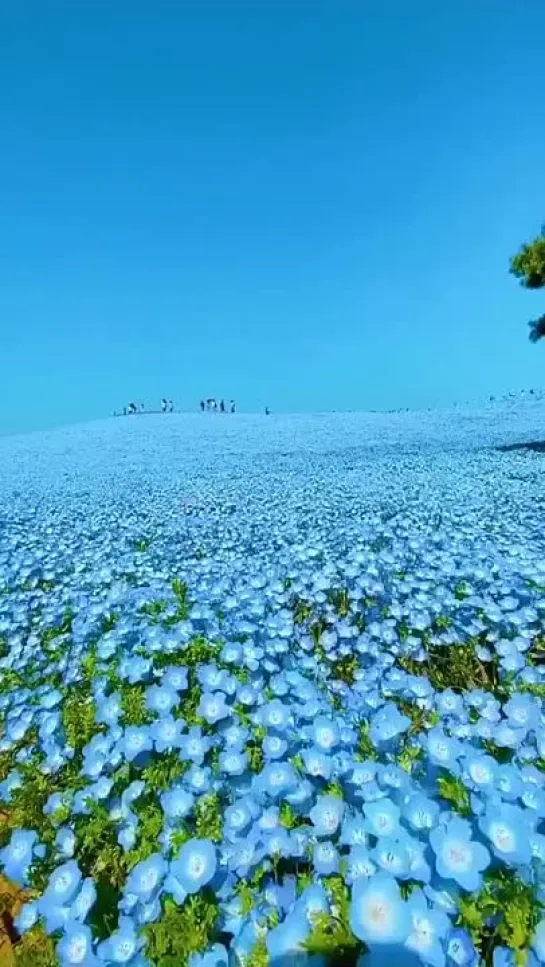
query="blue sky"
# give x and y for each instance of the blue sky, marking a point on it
(308, 204)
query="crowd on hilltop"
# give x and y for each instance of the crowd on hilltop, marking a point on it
(212, 406)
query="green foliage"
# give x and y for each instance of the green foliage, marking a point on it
(331, 935)
(133, 705)
(455, 666)
(344, 669)
(366, 749)
(528, 264)
(453, 791)
(339, 601)
(258, 956)
(97, 849)
(208, 822)
(142, 544)
(150, 826)
(153, 609)
(78, 717)
(504, 913)
(35, 949)
(302, 610)
(163, 771)
(182, 931)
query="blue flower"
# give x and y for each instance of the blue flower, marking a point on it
(27, 917)
(286, 940)
(123, 945)
(378, 914)
(175, 676)
(146, 877)
(216, 956)
(461, 950)
(212, 707)
(427, 931)
(382, 817)
(166, 733)
(177, 802)
(194, 746)
(17, 856)
(325, 734)
(277, 778)
(195, 864)
(75, 948)
(457, 855)
(317, 764)
(136, 740)
(507, 829)
(326, 815)
(326, 859)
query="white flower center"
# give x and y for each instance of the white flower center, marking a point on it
(502, 837)
(458, 855)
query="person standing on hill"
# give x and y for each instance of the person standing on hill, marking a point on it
(222, 406)
(233, 406)
(163, 406)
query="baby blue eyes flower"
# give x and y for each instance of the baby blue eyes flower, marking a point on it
(421, 813)
(387, 724)
(194, 746)
(195, 864)
(161, 699)
(27, 917)
(277, 778)
(123, 945)
(538, 941)
(175, 676)
(507, 830)
(17, 856)
(146, 877)
(136, 740)
(326, 815)
(177, 802)
(326, 859)
(382, 817)
(460, 949)
(427, 930)
(457, 856)
(442, 750)
(325, 734)
(212, 707)
(75, 948)
(233, 763)
(166, 733)
(378, 914)
(63, 884)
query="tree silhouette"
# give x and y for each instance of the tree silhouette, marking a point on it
(528, 265)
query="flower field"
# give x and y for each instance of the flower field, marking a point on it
(272, 692)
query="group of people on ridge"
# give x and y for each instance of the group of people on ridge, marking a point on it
(211, 406)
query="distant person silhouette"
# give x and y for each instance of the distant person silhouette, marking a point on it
(233, 406)
(132, 408)
(202, 406)
(267, 411)
(222, 406)
(163, 406)
(170, 406)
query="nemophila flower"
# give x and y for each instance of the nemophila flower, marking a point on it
(449, 703)
(108, 710)
(507, 828)
(353, 831)
(275, 715)
(508, 782)
(12, 782)
(428, 929)
(277, 778)
(274, 747)
(233, 762)
(212, 707)
(382, 817)
(136, 741)
(166, 733)
(460, 949)
(326, 815)
(387, 724)
(177, 802)
(421, 812)
(359, 864)
(194, 746)
(123, 945)
(245, 855)
(286, 941)
(175, 676)
(27, 917)
(65, 841)
(538, 941)
(16, 858)
(378, 914)
(313, 900)
(325, 734)
(161, 699)
(146, 877)
(457, 855)
(195, 864)
(128, 833)
(442, 750)
(479, 771)
(75, 948)
(317, 764)
(198, 779)
(390, 854)
(84, 901)
(235, 736)
(277, 842)
(237, 819)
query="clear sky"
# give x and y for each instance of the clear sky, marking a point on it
(308, 204)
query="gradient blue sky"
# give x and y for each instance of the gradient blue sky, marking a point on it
(303, 203)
